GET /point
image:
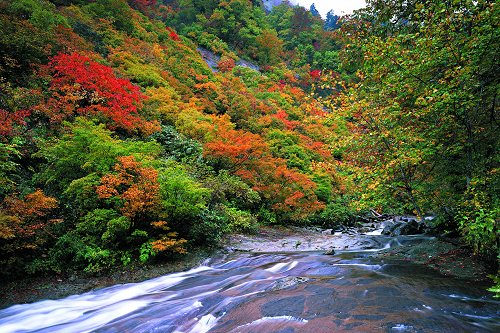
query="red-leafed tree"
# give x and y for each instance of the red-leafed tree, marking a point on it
(9, 120)
(289, 192)
(80, 86)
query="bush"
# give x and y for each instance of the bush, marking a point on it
(208, 228)
(337, 212)
(68, 254)
(240, 221)
(176, 145)
(266, 217)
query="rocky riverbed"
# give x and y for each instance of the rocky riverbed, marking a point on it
(447, 255)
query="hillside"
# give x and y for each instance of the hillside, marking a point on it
(119, 142)
(135, 130)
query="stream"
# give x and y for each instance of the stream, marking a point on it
(274, 292)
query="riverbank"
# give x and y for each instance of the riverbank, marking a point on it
(448, 258)
(33, 289)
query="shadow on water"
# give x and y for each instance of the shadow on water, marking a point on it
(274, 292)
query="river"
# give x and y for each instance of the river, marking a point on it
(274, 292)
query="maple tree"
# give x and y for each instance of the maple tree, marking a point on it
(83, 87)
(132, 187)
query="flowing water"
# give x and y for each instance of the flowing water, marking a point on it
(274, 292)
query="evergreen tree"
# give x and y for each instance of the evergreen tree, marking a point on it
(314, 11)
(331, 21)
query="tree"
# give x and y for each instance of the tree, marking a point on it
(436, 81)
(24, 229)
(314, 11)
(133, 188)
(331, 22)
(80, 86)
(428, 100)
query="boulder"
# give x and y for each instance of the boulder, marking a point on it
(412, 227)
(339, 228)
(329, 252)
(287, 282)
(390, 227)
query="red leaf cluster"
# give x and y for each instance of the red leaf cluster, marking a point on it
(8, 120)
(82, 87)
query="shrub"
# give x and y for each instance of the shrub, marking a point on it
(240, 221)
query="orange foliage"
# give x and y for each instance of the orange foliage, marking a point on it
(240, 148)
(136, 185)
(226, 65)
(166, 243)
(34, 205)
(22, 221)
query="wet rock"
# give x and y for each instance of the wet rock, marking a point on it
(363, 230)
(339, 228)
(396, 231)
(330, 252)
(288, 282)
(363, 219)
(366, 244)
(411, 227)
(390, 227)
(327, 232)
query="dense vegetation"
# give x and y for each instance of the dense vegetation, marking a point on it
(131, 131)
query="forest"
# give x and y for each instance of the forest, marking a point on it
(134, 131)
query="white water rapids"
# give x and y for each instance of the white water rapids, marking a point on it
(234, 293)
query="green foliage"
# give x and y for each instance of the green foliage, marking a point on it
(87, 148)
(230, 190)
(95, 223)
(240, 221)
(117, 11)
(181, 197)
(91, 36)
(176, 145)
(8, 154)
(116, 230)
(22, 45)
(146, 252)
(41, 13)
(496, 279)
(266, 217)
(337, 212)
(68, 253)
(98, 259)
(141, 73)
(480, 225)
(208, 227)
